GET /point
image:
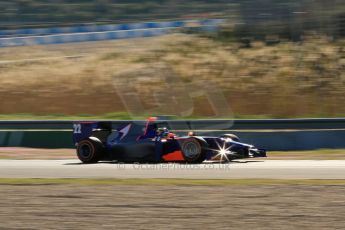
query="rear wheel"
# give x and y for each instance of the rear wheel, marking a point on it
(90, 151)
(192, 150)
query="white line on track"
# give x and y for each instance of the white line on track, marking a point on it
(274, 169)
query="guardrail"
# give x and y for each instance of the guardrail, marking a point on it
(272, 134)
(238, 124)
(60, 35)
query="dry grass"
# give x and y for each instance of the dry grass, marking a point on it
(15, 153)
(321, 154)
(286, 80)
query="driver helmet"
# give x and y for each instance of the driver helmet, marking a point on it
(162, 131)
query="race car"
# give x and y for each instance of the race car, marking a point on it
(132, 142)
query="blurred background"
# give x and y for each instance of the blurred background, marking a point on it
(264, 59)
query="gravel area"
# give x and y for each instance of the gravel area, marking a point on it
(73, 206)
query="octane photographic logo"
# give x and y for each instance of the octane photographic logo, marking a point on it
(173, 166)
(169, 93)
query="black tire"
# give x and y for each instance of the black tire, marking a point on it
(90, 151)
(193, 150)
(232, 136)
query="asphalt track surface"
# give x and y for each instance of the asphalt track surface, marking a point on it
(273, 169)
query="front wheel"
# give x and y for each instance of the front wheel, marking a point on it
(90, 151)
(192, 150)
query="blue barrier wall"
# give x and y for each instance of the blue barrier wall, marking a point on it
(58, 35)
(108, 27)
(280, 134)
(272, 141)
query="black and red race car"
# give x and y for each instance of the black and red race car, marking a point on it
(96, 141)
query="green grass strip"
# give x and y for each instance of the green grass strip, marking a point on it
(210, 182)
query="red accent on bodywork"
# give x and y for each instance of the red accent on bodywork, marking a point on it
(152, 119)
(174, 156)
(171, 135)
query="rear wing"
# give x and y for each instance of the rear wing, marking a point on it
(83, 130)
